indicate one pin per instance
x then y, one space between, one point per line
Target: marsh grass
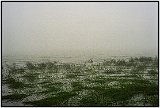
77 86
57 100
14 84
110 83
71 75
14 97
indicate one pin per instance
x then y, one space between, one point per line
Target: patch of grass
100 81
69 75
14 97
96 88
77 86
58 100
50 89
153 72
20 70
153 100
30 65
96 99
50 65
119 96
31 77
51 85
41 66
14 84
106 97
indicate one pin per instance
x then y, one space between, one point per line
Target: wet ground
107 82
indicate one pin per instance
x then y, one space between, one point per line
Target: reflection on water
70 81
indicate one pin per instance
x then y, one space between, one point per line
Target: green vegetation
14 97
112 82
59 100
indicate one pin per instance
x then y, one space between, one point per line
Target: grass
100 81
14 97
57 100
96 79
77 86
31 77
71 75
108 96
14 84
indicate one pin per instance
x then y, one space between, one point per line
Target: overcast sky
116 28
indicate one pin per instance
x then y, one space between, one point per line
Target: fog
80 28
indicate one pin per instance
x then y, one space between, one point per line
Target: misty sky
115 28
